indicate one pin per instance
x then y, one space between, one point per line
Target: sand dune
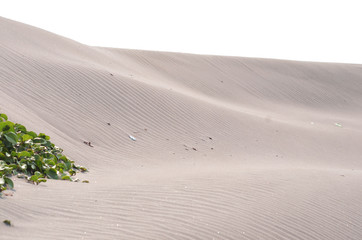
226 147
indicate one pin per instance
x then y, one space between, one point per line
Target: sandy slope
227 147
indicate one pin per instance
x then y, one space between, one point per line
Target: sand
226 147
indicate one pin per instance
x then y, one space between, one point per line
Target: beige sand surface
226 147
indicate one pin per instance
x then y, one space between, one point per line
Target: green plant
31 156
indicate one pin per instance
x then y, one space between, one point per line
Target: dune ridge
226 147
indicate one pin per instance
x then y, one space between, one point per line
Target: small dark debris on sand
7 222
88 143
109 124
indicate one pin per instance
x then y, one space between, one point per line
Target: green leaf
42 135
41 180
26 137
52 173
33 134
49 162
68 166
6 126
3 116
72 172
11 137
47 144
82 169
19 127
24 154
9 182
63 158
39 140
34 178
39 163
66 177
37 173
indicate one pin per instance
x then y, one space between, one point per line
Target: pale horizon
317 31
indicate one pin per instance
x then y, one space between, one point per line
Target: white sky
318 30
